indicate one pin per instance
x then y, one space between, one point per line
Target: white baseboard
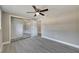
7 42
66 43
4 43
1 49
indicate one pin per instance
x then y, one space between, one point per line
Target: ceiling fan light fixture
37 13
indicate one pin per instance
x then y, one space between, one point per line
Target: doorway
20 29
36 28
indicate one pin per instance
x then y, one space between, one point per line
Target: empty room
39 28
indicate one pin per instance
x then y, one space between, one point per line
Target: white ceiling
53 10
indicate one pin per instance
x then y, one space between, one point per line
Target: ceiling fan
38 11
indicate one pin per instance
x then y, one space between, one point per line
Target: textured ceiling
54 10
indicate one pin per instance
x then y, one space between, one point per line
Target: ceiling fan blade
34 8
34 15
42 14
31 12
44 10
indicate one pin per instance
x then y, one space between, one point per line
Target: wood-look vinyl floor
37 45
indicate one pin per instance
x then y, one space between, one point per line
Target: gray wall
0 19
0 33
5 27
63 26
